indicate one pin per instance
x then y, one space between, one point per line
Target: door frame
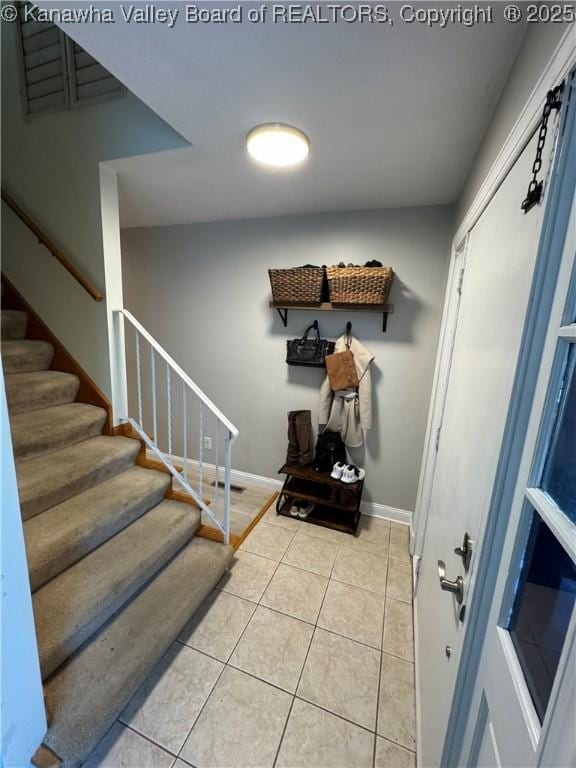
559 216
559 66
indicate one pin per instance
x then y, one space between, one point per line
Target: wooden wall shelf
326 306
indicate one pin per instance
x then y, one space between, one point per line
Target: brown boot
292 454
304 436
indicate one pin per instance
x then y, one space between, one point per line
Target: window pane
560 472
545 597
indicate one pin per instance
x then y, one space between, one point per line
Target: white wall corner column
22 711
113 281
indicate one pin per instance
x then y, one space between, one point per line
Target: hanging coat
349 411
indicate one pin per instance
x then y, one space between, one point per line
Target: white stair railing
175 418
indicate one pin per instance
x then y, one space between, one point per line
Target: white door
500 259
523 709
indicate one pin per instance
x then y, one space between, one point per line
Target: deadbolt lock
465 551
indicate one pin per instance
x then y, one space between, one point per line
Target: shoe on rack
337 470
304 510
295 508
352 474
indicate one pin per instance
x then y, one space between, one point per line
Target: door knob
456 587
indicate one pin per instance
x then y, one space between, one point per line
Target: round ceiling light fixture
277 145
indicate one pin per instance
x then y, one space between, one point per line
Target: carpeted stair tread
60 536
37 432
39 389
26 355
54 477
75 604
14 324
86 695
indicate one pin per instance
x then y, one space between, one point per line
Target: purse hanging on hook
309 352
341 367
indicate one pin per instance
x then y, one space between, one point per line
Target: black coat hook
315 324
348 328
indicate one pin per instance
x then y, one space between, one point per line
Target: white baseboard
370 508
246 478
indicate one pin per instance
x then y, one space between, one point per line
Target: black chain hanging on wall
535 188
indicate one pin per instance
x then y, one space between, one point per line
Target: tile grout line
147 738
380 667
225 664
295 618
335 714
241 548
304 663
289 616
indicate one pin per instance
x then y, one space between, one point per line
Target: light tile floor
303 656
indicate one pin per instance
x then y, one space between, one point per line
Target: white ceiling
394 114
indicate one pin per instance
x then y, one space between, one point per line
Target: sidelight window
545 590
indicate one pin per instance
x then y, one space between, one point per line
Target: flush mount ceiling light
277 145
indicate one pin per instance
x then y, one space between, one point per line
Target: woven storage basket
297 285
359 285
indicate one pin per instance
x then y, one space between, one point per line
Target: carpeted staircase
115 568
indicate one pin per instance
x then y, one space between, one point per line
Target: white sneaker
352 474
294 510
337 470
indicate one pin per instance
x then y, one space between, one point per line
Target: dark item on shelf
309 352
359 285
341 370
335 506
330 448
298 284
300 451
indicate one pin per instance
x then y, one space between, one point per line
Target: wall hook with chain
535 188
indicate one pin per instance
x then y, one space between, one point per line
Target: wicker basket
359 285
299 285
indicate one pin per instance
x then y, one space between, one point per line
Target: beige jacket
347 411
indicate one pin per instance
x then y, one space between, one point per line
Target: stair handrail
44 240
151 440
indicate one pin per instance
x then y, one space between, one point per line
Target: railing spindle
185 428
227 477
169 411
139 378
217 462
154 415
201 446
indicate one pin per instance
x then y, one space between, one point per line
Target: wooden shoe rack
336 504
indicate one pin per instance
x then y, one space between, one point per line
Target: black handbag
309 352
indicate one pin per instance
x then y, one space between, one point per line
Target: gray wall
535 52
50 166
202 290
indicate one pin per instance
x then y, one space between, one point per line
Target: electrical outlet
208 443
